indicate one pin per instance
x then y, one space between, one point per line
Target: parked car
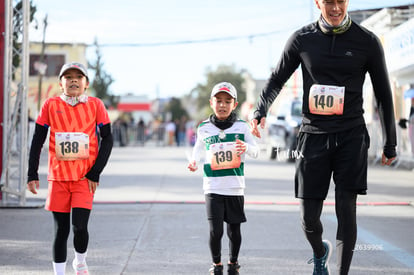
282 130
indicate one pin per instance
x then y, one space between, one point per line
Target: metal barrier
15 113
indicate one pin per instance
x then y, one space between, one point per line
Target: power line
183 42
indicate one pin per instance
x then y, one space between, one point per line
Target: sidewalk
149 218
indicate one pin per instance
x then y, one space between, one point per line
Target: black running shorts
226 208
342 155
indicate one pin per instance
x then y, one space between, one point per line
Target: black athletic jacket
340 60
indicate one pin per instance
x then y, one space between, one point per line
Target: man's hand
255 130
386 161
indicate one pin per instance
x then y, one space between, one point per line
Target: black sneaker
233 269
216 269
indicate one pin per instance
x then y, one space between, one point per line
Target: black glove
403 123
390 151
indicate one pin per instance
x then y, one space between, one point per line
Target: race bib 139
224 156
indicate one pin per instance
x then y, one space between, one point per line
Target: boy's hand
240 147
92 185
33 185
192 166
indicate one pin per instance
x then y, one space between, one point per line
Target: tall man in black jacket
334 54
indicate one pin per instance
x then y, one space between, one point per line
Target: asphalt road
149 218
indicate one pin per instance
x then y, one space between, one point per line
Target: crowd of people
178 132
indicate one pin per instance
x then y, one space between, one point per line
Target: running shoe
320 266
233 268
80 268
216 269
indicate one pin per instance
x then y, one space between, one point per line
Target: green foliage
202 92
102 80
176 109
17 27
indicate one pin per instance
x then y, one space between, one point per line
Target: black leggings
216 233
80 217
345 207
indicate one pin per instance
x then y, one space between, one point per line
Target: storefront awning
130 107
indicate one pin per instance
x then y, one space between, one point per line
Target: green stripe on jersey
224 172
230 137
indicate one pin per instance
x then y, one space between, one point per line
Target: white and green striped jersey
213 145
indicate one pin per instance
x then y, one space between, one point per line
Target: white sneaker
81 268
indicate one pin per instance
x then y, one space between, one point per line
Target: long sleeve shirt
341 61
215 146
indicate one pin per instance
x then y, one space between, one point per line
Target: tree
176 109
17 27
102 80
226 73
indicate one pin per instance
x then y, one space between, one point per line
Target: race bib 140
326 100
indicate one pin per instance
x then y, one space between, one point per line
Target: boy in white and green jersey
224 140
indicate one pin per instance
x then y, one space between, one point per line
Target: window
53 61
297 108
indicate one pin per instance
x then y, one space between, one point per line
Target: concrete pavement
149 218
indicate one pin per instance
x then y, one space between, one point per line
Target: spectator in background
141 132
170 129
403 123
120 129
181 131
190 132
159 131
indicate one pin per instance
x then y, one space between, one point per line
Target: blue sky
173 70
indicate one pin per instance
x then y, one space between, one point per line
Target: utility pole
2 49
42 66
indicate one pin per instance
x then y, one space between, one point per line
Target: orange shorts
64 195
